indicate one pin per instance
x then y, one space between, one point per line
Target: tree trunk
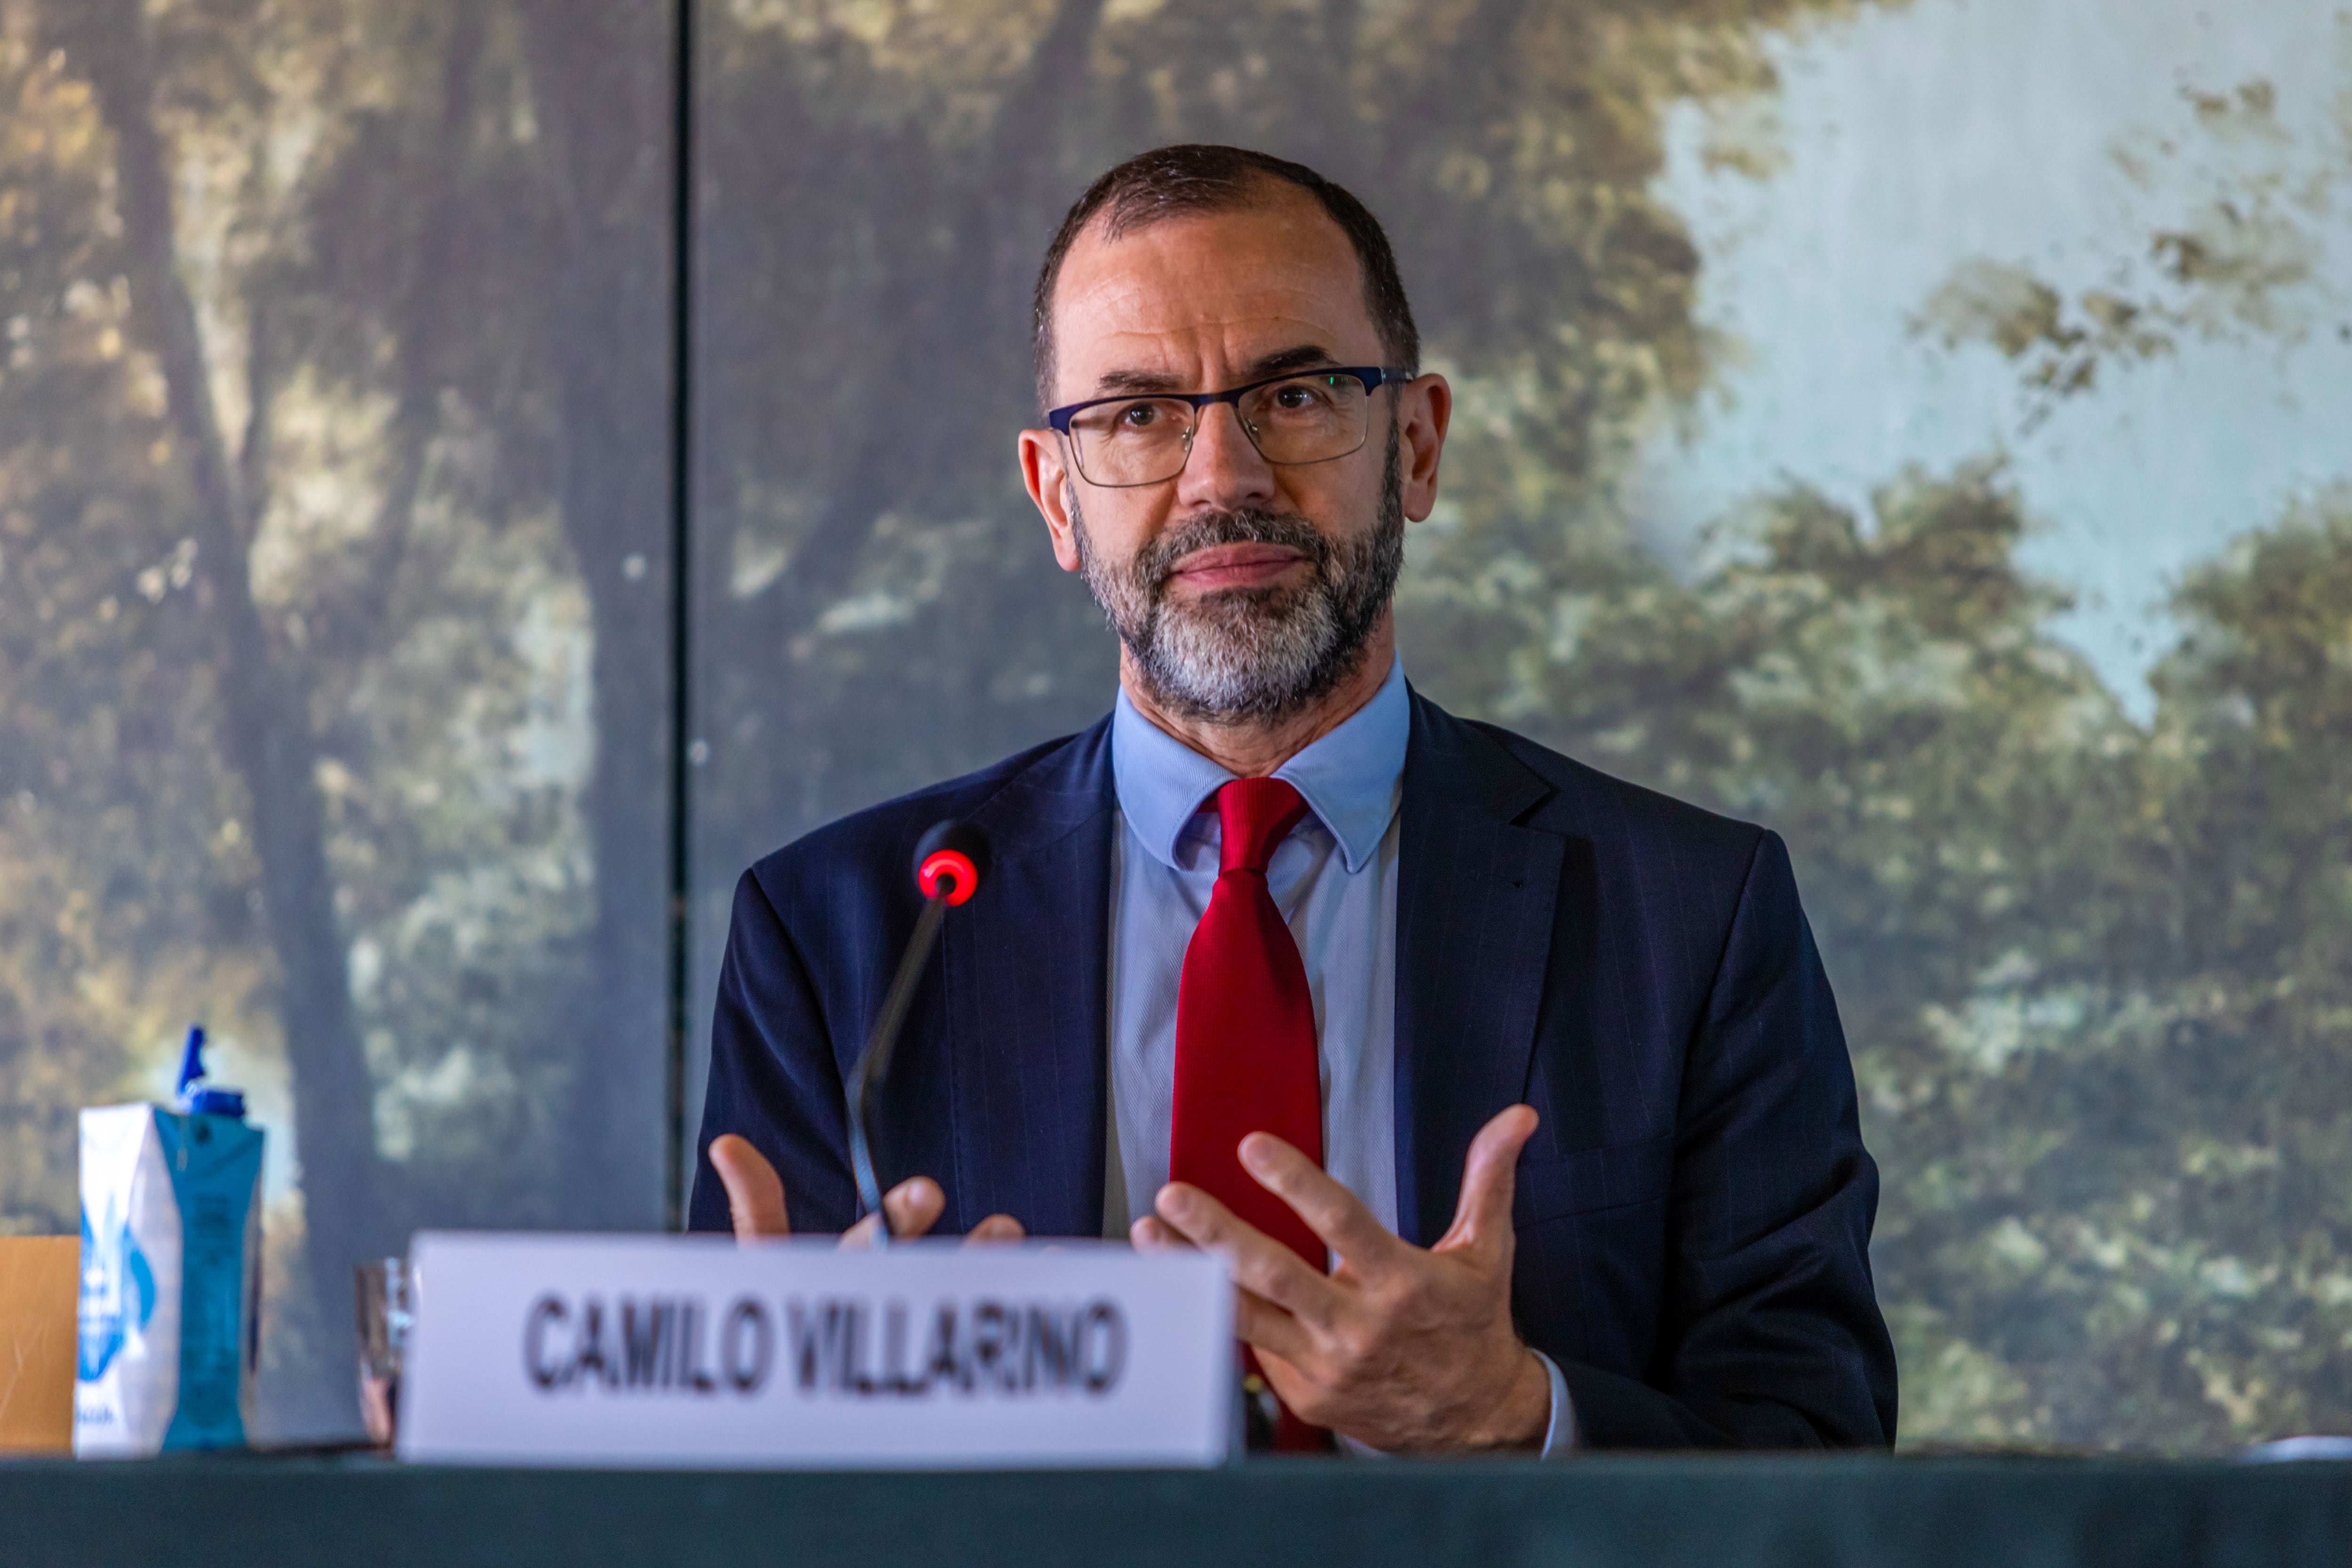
602 84
421 325
943 314
268 737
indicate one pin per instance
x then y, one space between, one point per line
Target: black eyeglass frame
1374 377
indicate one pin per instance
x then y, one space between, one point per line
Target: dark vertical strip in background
681 711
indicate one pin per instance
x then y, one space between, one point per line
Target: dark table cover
1888 1513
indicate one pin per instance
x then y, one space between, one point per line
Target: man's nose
1224 470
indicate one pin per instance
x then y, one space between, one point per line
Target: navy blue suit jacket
1693 1213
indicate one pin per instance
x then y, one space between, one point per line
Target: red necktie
1245 1035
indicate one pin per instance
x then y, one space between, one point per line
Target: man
1514 1094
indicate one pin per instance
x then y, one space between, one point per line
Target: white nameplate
676 1350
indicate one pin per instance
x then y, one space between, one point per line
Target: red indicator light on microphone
950 860
953 867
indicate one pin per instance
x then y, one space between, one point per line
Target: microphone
950 859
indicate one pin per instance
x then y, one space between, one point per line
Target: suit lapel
1026 968
1474 901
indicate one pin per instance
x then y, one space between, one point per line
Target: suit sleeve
1771 1335
774 1077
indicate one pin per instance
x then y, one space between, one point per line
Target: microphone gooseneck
950 860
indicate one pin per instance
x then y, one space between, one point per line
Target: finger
1482 1219
755 1193
995 1230
913 1205
1330 1210
1255 1261
1263 1326
1299 1394
1153 1234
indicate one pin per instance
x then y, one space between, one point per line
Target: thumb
755 1195
1482 1219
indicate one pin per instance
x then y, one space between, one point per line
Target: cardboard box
38 1288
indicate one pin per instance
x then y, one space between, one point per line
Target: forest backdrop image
333 622
335 540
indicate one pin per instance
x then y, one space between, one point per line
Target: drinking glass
386 1309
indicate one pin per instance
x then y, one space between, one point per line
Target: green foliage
2245 257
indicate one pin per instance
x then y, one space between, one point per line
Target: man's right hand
755 1202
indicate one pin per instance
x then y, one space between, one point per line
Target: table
1816 1511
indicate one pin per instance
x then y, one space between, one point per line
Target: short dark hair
1195 177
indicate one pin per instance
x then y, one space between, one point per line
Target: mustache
1156 562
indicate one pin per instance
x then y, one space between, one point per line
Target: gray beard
1245 655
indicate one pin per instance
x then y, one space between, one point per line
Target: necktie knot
1253 816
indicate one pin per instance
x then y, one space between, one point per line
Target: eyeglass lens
1310 418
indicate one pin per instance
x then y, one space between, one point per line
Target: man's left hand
1404 1350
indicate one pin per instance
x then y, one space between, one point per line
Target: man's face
1242 589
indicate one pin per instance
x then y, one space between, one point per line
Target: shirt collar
1350 777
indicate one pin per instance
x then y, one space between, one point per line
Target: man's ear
1048 479
1425 408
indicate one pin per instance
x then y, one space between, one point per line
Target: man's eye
1297 396
1137 415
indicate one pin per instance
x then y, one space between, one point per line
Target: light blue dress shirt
1335 881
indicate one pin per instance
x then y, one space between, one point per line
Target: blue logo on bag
117 1294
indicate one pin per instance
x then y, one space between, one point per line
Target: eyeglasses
1307 416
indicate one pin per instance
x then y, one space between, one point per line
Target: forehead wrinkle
1279 362
1165 361
1157 308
